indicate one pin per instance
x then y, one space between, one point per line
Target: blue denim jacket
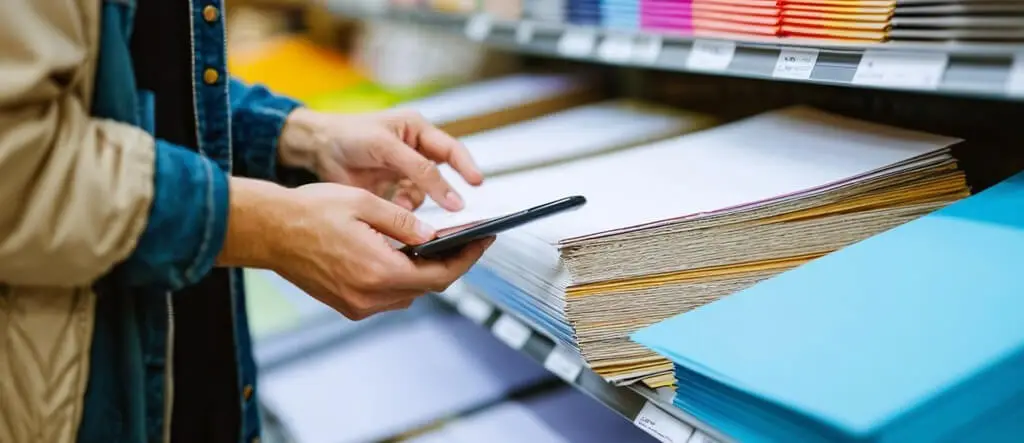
237 131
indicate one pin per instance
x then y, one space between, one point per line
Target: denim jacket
237 130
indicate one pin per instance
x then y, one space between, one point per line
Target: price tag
511 331
795 63
454 292
563 363
911 70
700 437
474 308
711 55
616 49
662 426
479 27
578 43
524 33
647 49
1015 82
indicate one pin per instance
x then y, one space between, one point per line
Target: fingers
408 195
442 148
424 174
437 275
392 220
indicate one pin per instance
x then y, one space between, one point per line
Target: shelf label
577 43
616 49
454 292
1015 82
711 55
647 49
511 331
479 27
700 437
474 308
911 70
524 33
564 363
662 426
795 63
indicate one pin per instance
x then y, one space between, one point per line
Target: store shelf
651 411
976 70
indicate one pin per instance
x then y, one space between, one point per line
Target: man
123 151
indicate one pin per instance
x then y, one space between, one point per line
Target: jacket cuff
187 222
258 116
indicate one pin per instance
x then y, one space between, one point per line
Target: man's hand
332 241
393 154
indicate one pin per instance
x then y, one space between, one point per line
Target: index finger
440 147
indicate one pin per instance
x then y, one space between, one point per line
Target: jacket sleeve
81 194
258 116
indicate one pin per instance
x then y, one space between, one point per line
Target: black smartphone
450 241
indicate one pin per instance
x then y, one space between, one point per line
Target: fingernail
453 200
424 231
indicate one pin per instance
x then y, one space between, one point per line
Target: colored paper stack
712 17
620 14
911 335
857 20
583 12
549 11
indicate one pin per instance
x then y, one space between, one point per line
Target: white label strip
711 55
479 27
647 49
662 426
577 43
616 49
474 308
795 63
700 437
910 70
454 292
511 331
1015 82
564 363
524 33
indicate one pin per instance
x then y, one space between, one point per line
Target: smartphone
450 241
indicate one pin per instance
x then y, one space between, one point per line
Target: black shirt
206 402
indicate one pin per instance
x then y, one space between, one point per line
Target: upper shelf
974 70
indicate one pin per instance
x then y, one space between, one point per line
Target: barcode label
795 63
474 308
616 49
711 55
478 28
911 70
577 43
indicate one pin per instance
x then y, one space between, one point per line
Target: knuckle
404 220
425 168
373 276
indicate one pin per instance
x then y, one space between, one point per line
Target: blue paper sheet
915 333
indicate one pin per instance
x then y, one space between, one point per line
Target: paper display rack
972 70
651 411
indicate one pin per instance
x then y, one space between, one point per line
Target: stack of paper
395 378
558 138
679 223
620 14
864 20
981 20
911 335
583 12
492 103
712 17
552 11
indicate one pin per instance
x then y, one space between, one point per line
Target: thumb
394 221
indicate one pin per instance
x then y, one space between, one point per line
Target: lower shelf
650 410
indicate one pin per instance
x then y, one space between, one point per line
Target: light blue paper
859 339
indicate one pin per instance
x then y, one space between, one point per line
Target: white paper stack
679 223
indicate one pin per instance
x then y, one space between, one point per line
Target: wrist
256 215
300 141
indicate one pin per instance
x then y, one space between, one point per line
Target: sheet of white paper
394 379
765 157
559 137
493 95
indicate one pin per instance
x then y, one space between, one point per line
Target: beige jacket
75 192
